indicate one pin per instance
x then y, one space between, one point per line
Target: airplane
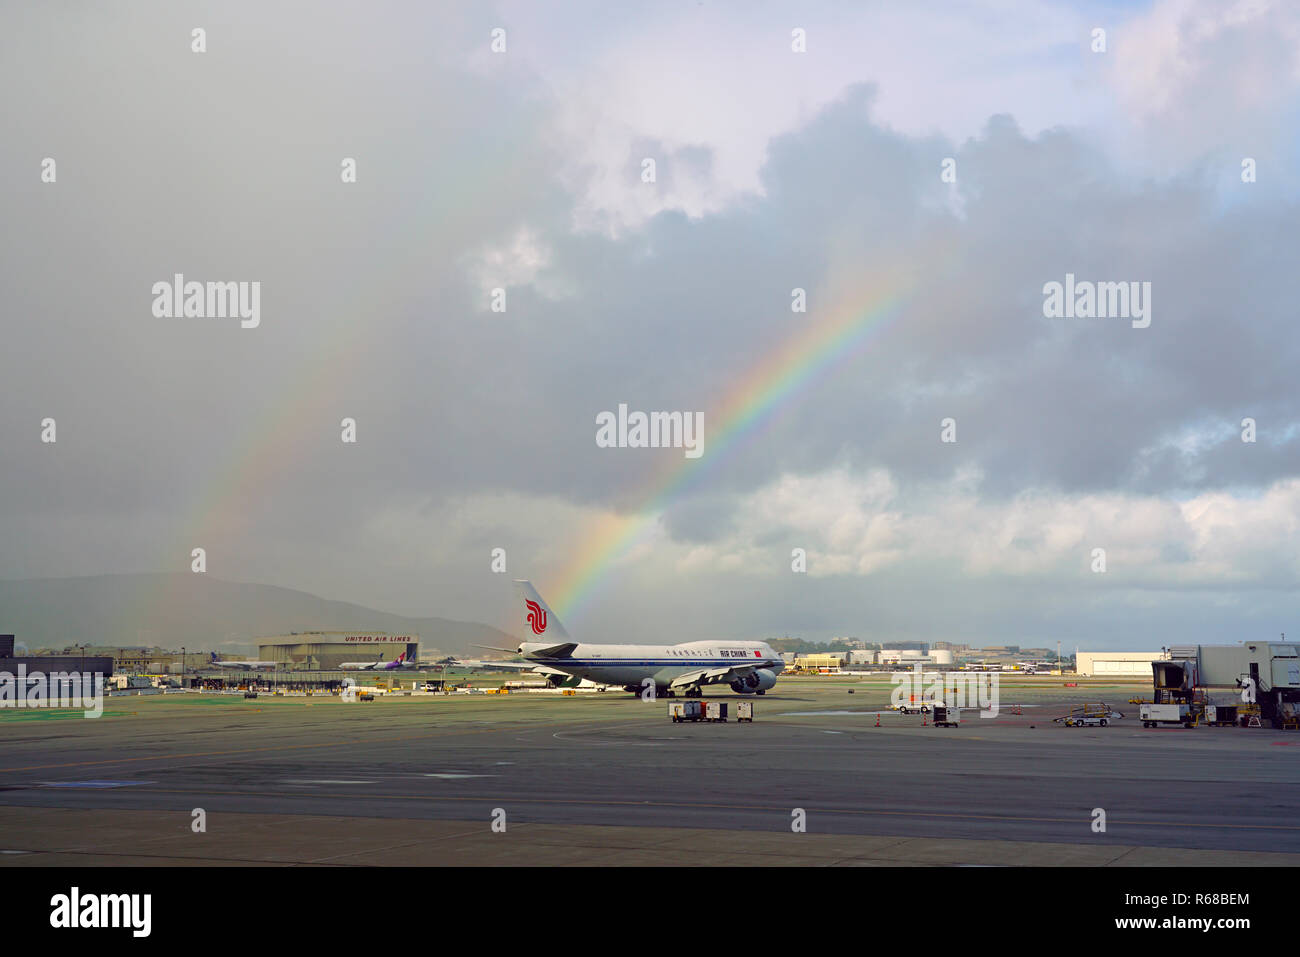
399 662
748 667
241 665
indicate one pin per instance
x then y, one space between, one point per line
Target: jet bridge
1266 671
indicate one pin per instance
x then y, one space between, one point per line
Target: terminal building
50 667
1115 664
327 650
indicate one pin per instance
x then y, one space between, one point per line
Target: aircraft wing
509 665
709 676
516 666
705 676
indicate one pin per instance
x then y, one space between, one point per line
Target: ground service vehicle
685 710
945 717
1152 715
1096 715
914 708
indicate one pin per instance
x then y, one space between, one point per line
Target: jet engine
760 679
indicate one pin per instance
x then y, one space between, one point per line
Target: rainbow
774 383
309 403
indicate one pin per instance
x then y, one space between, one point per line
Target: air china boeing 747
749 667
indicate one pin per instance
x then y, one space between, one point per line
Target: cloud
775 170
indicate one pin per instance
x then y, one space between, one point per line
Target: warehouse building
1115 664
903 656
49 668
814 662
327 650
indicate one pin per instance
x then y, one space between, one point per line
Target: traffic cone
877 719
924 722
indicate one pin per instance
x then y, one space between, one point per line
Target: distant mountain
204 613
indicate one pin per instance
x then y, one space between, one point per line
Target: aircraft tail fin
542 623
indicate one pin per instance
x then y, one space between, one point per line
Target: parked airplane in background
748 667
399 662
241 665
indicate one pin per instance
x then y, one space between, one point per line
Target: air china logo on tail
536 616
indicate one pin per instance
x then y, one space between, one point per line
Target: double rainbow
774 383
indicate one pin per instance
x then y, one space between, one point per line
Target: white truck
916 707
1154 715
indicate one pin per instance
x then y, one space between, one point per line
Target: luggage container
684 710
715 711
945 717
1221 715
745 711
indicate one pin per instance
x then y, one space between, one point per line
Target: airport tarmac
607 778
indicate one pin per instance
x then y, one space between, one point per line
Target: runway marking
327 782
91 785
725 807
449 775
278 747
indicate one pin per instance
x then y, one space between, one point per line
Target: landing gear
764 691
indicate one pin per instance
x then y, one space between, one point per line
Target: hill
202 612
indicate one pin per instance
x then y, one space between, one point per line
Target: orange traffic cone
924 722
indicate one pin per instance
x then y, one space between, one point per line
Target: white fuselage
245 665
375 665
632 664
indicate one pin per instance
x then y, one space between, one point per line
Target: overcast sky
775 170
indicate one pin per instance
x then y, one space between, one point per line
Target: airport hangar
326 650
1115 664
